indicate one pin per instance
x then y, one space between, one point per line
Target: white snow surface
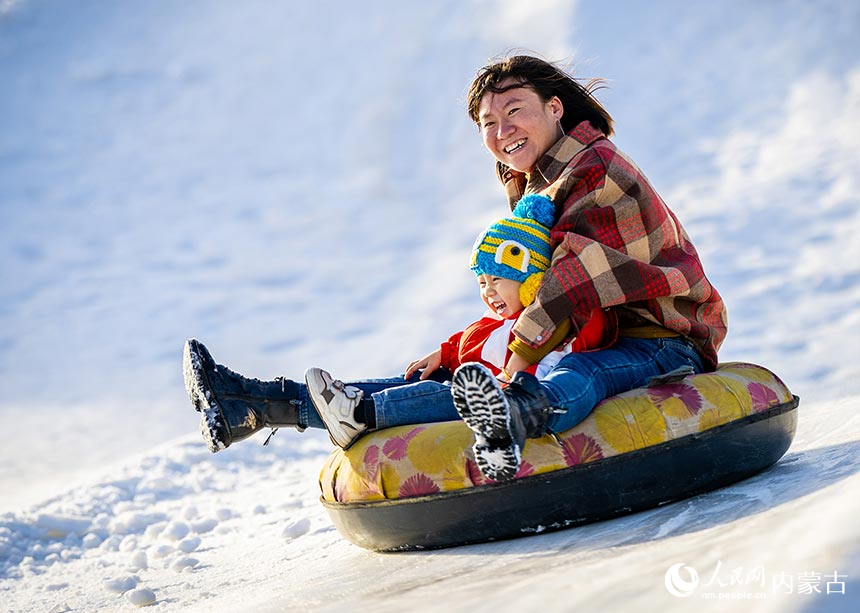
298 184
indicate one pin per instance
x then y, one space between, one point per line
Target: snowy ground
298 184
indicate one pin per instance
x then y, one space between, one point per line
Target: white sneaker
336 403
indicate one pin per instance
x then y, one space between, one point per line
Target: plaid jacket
616 245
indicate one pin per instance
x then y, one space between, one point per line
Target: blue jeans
398 402
576 384
581 380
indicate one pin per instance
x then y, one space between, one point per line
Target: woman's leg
503 418
581 380
233 407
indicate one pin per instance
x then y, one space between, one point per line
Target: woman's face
517 126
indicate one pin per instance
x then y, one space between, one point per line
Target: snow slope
237 173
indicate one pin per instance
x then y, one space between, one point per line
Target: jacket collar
557 158
550 166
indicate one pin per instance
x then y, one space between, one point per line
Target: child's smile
502 296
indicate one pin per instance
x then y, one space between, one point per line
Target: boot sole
480 402
197 386
497 463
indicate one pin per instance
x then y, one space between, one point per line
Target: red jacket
486 341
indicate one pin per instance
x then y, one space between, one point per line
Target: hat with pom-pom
518 247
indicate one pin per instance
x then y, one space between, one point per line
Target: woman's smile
515 147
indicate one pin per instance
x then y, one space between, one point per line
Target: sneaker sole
497 463
337 430
197 386
480 402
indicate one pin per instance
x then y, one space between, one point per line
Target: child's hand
515 364
428 363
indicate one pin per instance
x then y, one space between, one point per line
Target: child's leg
385 403
581 380
234 407
421 402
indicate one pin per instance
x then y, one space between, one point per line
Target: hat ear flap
529 288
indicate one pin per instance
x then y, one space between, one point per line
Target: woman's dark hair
547 80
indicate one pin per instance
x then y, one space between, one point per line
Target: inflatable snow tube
417 487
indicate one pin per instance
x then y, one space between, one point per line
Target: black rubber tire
603 489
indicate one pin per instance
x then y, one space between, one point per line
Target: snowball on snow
91 540
224 514
142 597
162 551
176 531
139 561
182 564
204 525
297 529
122 584
187 545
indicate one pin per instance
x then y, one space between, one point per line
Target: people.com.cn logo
678 586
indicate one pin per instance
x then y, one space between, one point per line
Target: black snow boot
501 418
234 407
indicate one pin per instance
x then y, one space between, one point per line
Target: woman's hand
429 363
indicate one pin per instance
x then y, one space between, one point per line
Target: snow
297 184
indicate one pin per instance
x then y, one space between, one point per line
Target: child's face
502 296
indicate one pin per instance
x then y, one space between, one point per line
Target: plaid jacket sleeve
618 245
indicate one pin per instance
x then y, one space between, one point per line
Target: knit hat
518 247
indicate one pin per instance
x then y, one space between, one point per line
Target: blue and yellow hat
518 247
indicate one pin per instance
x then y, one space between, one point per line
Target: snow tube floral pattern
418 460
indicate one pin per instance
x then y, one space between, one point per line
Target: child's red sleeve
451 351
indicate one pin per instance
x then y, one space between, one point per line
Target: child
509 259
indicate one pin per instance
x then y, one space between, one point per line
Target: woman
617 246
